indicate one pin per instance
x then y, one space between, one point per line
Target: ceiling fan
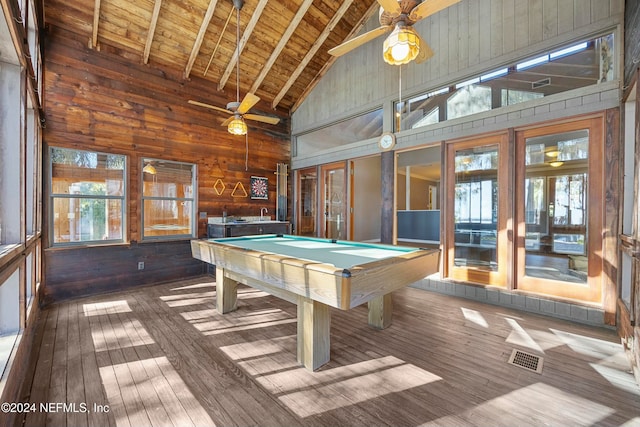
239 110
404 44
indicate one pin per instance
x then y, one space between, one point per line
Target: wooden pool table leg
314 324
380 311
226 292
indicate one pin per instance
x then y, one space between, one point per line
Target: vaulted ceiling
283 44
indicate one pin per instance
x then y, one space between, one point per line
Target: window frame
194 200
53 196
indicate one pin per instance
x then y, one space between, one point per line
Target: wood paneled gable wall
98 100
468 38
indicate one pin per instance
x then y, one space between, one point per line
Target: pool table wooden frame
313 286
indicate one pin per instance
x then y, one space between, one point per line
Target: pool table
315 274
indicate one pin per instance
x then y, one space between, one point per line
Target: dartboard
259 188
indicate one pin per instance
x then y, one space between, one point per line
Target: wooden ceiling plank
96 20
281 44
198 42
243 41
312 51
152 30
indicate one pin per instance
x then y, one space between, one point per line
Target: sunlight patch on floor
251 349
147 385
587 346
182 300
300 377
619 376
520 337
210 322
536 404
100 308
474 317
343 393
116 337
195 286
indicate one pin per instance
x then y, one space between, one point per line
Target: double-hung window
88 191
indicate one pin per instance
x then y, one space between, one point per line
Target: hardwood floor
163 356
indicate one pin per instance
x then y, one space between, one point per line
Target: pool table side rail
388 275
336 287
318 281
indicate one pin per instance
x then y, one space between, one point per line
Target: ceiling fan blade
349 45
425 51
249 101
226 122
263 119
213 107
429 7
391 6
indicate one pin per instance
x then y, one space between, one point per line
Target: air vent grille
541 83
528 361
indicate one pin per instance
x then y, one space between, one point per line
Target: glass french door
334 201
477 200
307 206
559 210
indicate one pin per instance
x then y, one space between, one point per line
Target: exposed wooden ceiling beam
356 29
281 44
152 30
314 49
200 37
243 41
93 43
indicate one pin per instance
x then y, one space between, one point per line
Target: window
358 128
555 190
87 196
569 67
476 207
168 199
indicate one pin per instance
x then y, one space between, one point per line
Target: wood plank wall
631 40
97 100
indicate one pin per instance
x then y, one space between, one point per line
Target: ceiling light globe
399 52
237 126
402 46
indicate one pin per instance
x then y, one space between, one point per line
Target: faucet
263 211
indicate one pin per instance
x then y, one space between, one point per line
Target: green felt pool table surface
340 253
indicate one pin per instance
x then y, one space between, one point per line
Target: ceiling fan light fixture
402 46
237 126
150 169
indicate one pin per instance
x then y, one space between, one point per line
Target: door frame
593 290
322 214
504 246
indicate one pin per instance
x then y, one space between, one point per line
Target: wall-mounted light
237 126
402 46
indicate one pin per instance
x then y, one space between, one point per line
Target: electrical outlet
140 265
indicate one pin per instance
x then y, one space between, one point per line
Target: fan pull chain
246 151
399 112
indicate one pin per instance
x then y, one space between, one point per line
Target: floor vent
530 362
